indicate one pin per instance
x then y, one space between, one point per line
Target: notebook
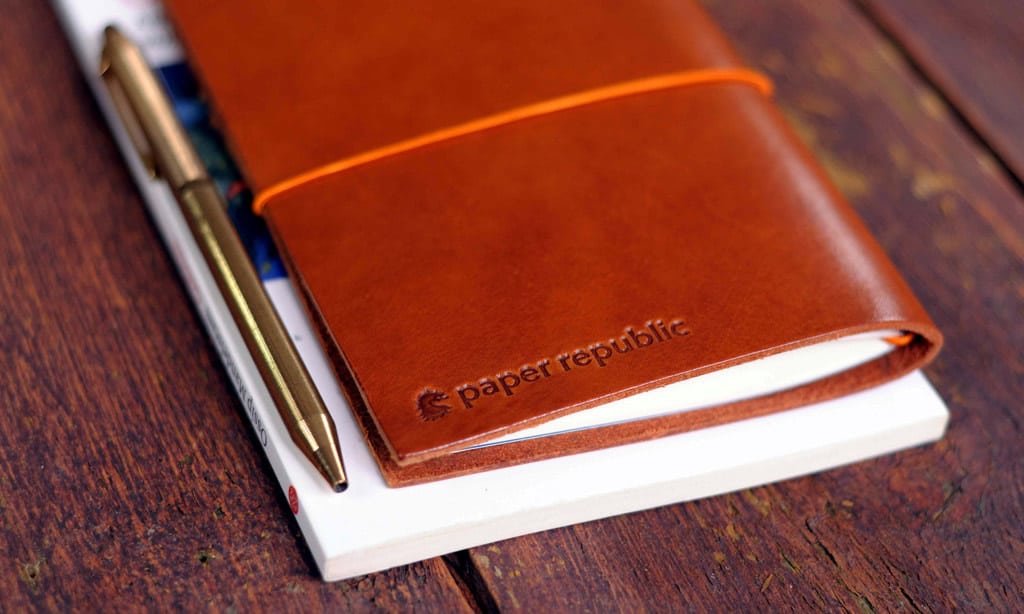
506 214
370 528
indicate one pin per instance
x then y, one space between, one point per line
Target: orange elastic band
901 340
619 90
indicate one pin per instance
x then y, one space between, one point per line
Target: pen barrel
278 362
166 150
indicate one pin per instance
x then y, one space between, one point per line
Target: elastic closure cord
627 88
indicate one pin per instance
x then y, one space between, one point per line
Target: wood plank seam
474 587
922 73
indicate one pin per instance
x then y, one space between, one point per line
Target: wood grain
974 52
931 529
129 479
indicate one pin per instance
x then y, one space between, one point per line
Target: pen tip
330 466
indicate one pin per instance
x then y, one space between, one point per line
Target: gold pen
167 152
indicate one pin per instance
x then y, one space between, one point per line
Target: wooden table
129 477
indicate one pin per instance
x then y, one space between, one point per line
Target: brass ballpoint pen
168 153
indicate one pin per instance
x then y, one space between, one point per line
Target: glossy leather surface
479 258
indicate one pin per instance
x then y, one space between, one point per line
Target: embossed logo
430 404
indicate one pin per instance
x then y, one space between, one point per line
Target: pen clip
129 119
147 113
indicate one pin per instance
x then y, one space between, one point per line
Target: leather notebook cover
483 249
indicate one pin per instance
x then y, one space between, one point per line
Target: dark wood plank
128 476
930 529
974 52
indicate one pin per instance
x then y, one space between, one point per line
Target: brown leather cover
687 224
